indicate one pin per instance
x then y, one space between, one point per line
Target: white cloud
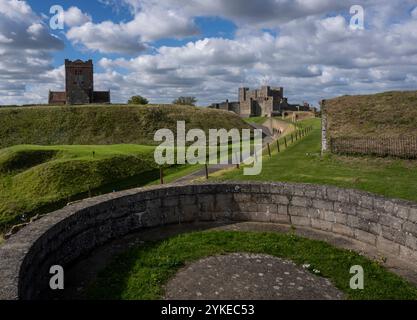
106 37
312 58
75 17
25 50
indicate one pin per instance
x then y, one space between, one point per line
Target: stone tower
79 84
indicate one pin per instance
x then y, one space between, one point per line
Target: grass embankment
390 114
105 125
35 179
141 272
256 120
302 162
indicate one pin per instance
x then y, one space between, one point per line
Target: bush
185 101
138 100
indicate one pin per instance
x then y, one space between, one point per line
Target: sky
162 49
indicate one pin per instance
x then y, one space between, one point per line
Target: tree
185 101
138 100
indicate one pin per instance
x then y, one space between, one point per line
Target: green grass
302 162
104 125
390 114
256 120
141 272
39 179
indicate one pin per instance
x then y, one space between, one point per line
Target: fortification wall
67 235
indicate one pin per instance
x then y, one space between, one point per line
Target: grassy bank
390 114
39 179
140 273
302 162
104 125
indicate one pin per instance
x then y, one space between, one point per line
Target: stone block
391 221
386 245
170 202
280 199
346 208
321 225
268 208
411 242
408 255
323 205
282 209
261 198
242 197
366 237
300 221
342 229
368 215
412 214
301 202
367 202
280 218
410 228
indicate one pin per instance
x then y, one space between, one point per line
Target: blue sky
208 49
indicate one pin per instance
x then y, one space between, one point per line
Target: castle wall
101 97
57 98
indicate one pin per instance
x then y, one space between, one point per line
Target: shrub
185 101
138 100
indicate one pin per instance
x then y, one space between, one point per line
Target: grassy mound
34 178
104 125
141 272
390 114
19 160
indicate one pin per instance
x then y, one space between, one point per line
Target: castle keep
263 102
266 102
79 86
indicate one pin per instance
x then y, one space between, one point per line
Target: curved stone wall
64 236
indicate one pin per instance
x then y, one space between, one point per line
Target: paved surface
244 276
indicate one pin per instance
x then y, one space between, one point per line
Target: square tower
79 84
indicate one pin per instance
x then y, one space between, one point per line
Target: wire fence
404 147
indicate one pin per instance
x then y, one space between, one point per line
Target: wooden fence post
237 161
161 175
207 173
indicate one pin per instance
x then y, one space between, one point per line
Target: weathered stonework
79 85
66 235
266 101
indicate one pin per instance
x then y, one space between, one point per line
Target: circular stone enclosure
66 235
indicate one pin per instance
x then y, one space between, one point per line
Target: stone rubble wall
67 235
